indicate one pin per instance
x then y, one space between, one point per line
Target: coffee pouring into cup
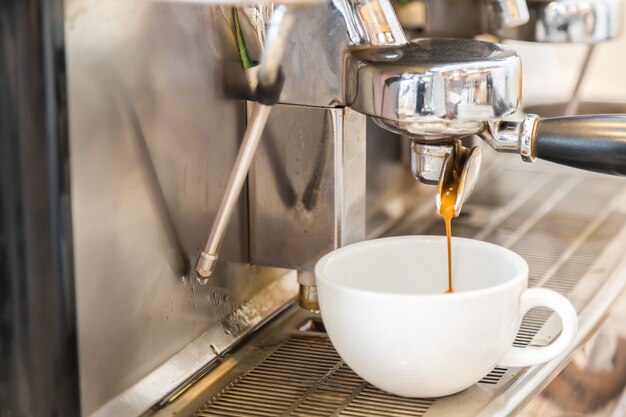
386 311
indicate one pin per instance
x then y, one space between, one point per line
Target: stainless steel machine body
156 109
300 187
153 135
150 132
569 21
549 21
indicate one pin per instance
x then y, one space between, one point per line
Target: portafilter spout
436 91
437 164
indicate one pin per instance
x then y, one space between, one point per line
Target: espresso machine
172 170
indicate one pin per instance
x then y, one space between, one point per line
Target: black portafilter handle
590 142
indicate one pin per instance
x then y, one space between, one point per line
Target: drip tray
568 225
304 376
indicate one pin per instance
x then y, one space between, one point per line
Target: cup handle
541 297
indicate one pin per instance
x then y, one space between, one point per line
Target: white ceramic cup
384 306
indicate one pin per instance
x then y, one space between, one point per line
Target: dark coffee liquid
448 199
448 196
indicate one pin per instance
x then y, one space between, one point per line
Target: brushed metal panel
314 66
152 139
313 63
307 186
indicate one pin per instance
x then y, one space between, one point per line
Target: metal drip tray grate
306 377
569 227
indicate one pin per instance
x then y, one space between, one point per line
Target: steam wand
269 82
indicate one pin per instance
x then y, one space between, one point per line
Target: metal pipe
268 75
280 24
371 22
208 257
572 106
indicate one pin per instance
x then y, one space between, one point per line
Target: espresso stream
448 197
